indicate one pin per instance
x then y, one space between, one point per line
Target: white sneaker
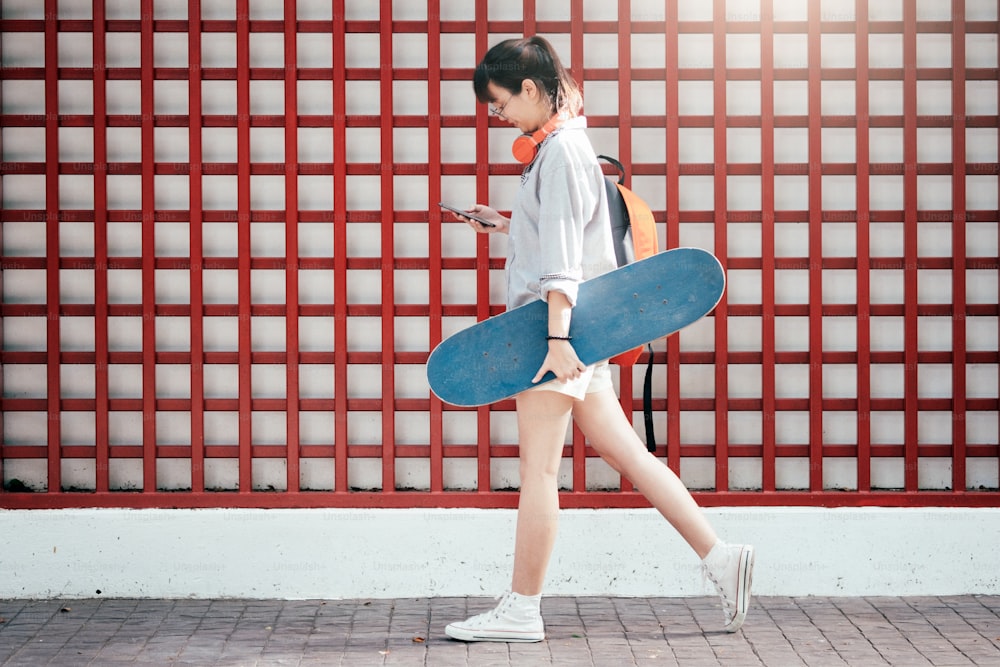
730 568
515 619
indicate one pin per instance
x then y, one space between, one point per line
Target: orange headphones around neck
525 147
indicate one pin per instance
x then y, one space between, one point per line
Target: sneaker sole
743 589
492 636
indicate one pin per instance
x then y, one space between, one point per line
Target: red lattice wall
223 269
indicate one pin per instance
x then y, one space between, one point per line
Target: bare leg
542 419
601 418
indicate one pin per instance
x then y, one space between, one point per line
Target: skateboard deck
620 310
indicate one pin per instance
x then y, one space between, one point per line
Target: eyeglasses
499 112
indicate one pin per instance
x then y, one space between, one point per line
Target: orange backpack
633 231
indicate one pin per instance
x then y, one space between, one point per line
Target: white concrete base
345 553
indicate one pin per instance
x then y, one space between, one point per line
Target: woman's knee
538 468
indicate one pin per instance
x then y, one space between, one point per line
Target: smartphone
483 221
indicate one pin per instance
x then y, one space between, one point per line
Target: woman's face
525 110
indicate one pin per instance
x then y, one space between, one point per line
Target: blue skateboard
615 312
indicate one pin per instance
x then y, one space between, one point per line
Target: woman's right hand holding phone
501 223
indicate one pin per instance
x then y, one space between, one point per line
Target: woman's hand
487 213
561 360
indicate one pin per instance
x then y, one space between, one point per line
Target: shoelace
728 606
492 614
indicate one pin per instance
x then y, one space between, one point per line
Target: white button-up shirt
560 232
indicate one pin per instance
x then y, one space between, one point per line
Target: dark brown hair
510 62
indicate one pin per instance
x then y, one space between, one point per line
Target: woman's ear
528 86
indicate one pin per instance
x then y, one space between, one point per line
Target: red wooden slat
863 244
721 207
577 28
53 298
576 70
101 352
910 339
196 239
340 245
958 250
482 247
626 375
243 208
148 193
673 217
768 324
815 254
568 500
388 250
434 247
291 252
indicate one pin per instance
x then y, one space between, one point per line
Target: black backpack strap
617 165
647 402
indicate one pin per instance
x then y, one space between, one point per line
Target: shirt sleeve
566 203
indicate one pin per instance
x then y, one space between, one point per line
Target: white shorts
596 378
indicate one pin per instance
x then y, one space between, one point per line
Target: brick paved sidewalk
780 632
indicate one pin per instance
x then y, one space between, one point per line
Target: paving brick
953 630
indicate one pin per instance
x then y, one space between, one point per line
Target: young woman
559 235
